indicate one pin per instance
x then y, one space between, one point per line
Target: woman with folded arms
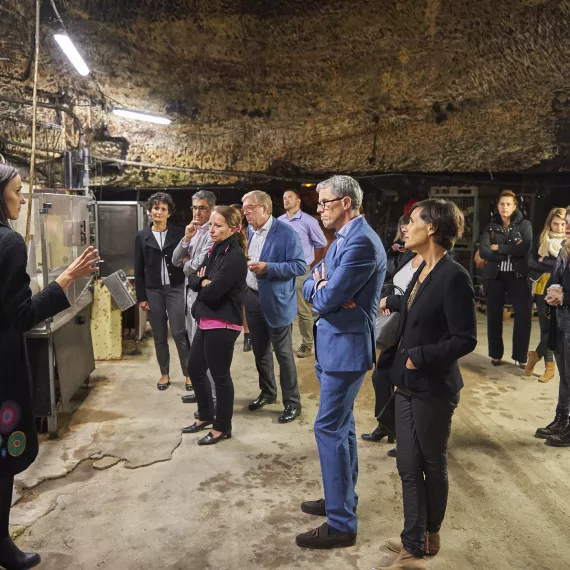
220 284
437 327
541 264
557 433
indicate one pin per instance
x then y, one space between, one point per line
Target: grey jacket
197 254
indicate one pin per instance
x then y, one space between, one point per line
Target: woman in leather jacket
505 244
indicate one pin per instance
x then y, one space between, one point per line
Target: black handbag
387 326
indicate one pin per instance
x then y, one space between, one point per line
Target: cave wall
289 87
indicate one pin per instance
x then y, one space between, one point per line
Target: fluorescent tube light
141 116
69 49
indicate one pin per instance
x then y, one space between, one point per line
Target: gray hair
206 195
262 198
342 186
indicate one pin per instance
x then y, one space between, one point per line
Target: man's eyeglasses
249 208
199 208
324 205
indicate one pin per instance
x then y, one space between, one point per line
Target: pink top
208 324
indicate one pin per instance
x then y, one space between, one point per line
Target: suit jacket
344 338
283 253
197 254
19 312
439 329
148 260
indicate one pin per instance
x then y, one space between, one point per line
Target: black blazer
226 268
19 312
148 260
514 241
439 329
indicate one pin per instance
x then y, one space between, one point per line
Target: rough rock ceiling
305 85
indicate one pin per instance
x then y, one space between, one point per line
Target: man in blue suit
275 259
345 291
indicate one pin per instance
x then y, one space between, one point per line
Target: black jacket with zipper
226 268
514 242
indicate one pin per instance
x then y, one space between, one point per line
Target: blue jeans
336 440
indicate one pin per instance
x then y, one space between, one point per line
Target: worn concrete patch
58 457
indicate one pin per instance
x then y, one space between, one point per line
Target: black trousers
542 349
422 431
6 487
265 339
382 388
518 291
213 350
563 360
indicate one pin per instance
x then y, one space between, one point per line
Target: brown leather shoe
406 561
322 538
433 544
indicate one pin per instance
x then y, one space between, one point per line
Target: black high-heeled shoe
377 435
212 439
195 428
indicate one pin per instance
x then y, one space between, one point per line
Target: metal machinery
467 200
117 225
60 349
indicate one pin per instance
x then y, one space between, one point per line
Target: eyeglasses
324 205
249 208
199 208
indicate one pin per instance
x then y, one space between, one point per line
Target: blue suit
345 350
271 310
285 260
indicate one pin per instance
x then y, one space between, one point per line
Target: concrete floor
122 489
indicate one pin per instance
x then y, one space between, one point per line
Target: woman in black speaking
437 327
19 312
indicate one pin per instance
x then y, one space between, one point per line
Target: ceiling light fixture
308 184
137 115
69 49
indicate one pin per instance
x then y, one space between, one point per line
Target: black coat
226 268
560 276
514 241
440 328
148 260
537 268
19 312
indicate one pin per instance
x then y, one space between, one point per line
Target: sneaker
304 351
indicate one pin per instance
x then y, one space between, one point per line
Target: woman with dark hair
220 284
557 433
160 284
397 253
505 244
19 312
542 263
437 327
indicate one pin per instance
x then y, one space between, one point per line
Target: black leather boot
12 558
560 440
559 424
